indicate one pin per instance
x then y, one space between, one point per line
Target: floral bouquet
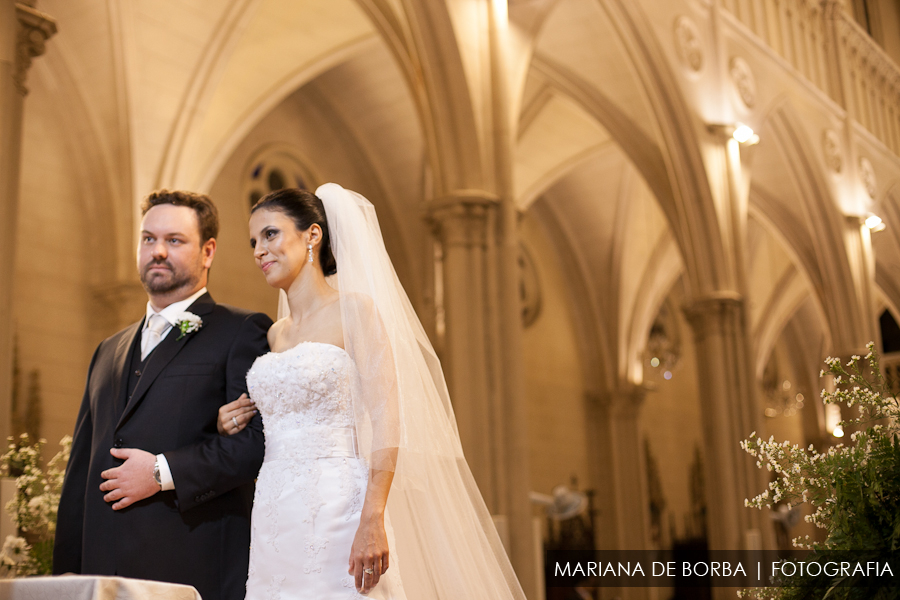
855 489
33 509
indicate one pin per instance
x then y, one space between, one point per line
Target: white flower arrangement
187 322
34 507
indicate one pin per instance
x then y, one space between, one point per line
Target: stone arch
811 225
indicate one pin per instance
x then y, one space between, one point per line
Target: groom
152 491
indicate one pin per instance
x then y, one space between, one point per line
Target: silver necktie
150 340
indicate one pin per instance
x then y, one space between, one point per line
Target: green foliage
855 489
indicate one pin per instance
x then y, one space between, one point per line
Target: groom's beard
163 282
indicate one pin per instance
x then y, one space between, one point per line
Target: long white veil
446 542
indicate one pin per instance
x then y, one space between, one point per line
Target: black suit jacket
199 533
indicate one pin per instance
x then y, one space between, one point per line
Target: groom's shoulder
236 315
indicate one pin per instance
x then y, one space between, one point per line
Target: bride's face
278 247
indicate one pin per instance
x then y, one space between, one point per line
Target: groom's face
170 255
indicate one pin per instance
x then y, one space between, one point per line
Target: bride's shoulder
357 300
276 329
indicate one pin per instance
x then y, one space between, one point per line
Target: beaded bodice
304 389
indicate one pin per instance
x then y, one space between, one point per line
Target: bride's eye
271 233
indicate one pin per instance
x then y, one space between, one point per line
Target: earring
309 246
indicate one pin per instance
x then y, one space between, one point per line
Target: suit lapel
167 349
121 357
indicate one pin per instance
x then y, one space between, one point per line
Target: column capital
460 202
35 28
461 217
621 402
718 312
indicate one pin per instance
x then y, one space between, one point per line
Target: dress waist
312 442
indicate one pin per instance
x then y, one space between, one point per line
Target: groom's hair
207 215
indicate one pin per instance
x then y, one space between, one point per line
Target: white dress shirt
170 314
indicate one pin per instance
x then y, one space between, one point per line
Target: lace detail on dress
350 582
311 486
304 386
267 500
273 591
313 546
350 487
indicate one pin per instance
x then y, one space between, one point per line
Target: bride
364 488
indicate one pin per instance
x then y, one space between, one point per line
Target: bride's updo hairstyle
303 208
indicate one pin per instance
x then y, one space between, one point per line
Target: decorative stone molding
461 219
687 42
867 175
35 28
624 403
831 147
743 80
529 287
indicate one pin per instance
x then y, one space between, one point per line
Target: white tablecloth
85 587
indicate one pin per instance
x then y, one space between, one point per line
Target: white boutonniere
187 322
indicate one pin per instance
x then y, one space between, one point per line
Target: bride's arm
378 405
235 416
370 548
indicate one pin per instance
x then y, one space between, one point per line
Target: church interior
633 229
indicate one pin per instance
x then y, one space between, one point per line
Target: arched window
275 168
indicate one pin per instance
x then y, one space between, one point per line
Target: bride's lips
266 265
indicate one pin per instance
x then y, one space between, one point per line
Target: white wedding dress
311 487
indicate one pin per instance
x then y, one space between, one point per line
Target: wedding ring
369 571
236 424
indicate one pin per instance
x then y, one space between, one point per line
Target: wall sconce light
744 135
874 223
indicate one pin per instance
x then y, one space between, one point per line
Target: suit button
118 443
137 373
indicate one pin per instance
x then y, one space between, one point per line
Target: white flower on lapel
187 322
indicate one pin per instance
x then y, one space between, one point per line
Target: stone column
729 415
490 412
614 434
463 223
23 33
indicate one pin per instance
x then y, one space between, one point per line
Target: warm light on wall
744 135
874 223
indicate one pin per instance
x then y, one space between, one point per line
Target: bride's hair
304 208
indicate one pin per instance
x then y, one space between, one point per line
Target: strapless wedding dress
311 486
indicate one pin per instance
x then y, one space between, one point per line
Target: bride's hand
369 554
234 416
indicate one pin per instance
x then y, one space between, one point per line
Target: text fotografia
709 569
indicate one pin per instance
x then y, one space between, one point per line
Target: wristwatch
156 476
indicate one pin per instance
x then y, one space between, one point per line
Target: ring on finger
369 571
235 421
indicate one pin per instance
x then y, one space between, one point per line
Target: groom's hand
132 480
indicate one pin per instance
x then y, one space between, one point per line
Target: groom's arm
70 516
206 470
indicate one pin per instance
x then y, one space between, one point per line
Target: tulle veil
446 542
